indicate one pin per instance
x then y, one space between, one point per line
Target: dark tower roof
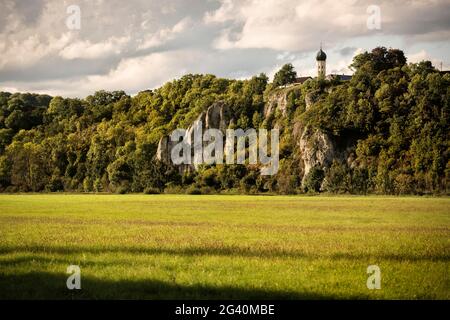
321 56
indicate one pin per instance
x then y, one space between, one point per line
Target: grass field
180 246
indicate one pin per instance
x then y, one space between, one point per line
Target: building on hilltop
321 59
321 63
302 80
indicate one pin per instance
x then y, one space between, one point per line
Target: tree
285 75
379 59
313 180
422 68
389 127
16 120
337 178
29 166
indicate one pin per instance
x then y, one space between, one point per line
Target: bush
360 181
208 177
54 185
248 182
173 189
231 191
97 185
337 178
122 190
193 190
87 184
125 187
150 190
207 190
313 180
404 184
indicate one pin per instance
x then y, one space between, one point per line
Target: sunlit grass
177 246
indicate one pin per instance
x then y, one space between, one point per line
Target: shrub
313 180
122 189
207 190
173 189
404 184
337 178
87 184
97 185
193 190
55 184
151 190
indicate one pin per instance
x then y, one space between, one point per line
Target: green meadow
218 246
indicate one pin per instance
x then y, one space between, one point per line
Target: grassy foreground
180 246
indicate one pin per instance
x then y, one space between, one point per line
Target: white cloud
418 56
230 38
131 75
284 24
163 35
134 74
299 25
87 50
226 12
26 52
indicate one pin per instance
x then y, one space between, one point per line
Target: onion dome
321 56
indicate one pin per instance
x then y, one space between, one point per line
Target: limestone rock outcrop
276 101
217 116
313 147
317 149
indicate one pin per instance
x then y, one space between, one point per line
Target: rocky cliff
217 116
313 147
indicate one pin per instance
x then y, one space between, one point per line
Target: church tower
321 59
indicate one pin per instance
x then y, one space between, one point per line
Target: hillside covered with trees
391 122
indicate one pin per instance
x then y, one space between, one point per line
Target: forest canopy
396 114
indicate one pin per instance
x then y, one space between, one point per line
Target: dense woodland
397 113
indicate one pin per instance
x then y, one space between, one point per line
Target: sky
74 48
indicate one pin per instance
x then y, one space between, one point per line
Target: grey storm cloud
346 51
140 44
27 12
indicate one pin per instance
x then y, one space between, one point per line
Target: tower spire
321 58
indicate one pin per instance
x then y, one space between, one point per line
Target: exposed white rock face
164 147
276 101
316 149
309 100
313 146
218 116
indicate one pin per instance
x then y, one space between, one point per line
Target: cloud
139 44
134 74
166 34
226 12
26 12
346 51
26 52
131 75
301 25
88 50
